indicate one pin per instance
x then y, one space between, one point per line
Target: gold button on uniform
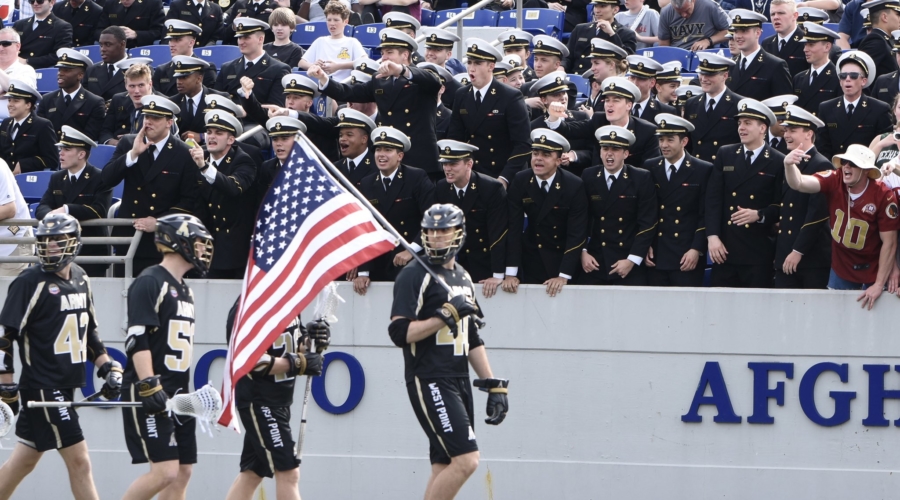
676 235
751 196
389 113
678 209
662 207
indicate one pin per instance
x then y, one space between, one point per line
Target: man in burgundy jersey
859 207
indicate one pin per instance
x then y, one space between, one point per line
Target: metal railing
127 259
458 19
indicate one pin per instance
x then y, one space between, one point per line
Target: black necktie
68 100
671 171
812 77
743 64
110 70
774 142
612 181
781 46
460 194
637 110
72 179
749 157
387 183
249 65
200 9
15 130
190 106
712 103
477 99
544 187
849 111
350 165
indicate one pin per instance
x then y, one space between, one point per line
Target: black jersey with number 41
54 323
418 297
165 307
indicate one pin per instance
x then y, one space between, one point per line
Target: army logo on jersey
53 289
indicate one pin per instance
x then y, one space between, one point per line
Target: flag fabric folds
309 231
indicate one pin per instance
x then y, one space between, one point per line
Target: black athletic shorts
47 428
158 438
268 444
445 410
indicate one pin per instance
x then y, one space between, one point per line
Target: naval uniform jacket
153 187
499 127
557 225
85 113
579 44
870 118
39 45
87 199
164 79
734 184
682 210
145 17
96 81
34 147
209 18
879 45
408 105
622 219
766 76
824 87
804 220
487 215
712 130
83 19
266 74
646 144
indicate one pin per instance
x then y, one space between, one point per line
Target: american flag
309 231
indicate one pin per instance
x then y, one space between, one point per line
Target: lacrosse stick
326 304
6 418
205 404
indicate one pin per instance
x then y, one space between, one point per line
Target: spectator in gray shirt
692 24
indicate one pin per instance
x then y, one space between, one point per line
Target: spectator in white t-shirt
13 206
643 20
11 67
335 53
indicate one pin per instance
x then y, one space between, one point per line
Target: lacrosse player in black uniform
264 398
440 339
49 310
159 344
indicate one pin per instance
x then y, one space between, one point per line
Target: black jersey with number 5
165 308
418 297
54 323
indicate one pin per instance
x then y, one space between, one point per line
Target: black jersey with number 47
165 307
418 297
54 323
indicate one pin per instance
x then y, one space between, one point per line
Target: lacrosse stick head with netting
7 418
326 305
204 404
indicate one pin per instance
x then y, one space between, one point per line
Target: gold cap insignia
612 135
539 44
447 150
433 37
706 61
240 26
512 38
212 103
388 22
278 126
640 65
744 107
383 36
152 104
559 79
171 27
65 57
215 118
787 115
293 83
341 116
737 19
612 86
178 64
784 104
543 138
662 123
383 135
474 46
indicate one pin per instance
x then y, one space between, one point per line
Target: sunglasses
38 2
845 163
853 76
7 43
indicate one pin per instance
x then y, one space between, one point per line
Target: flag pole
375 213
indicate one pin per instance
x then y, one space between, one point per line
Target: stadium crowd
586 161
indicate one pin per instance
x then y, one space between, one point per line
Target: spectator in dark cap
819 82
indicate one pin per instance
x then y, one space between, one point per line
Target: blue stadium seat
92 51
367 34
663 55
33 185
101 155
767 31
15 16
479 18
46 80
427 17
537 21
832 26
118 190
159 53
583 86
298 71
218 54
307 33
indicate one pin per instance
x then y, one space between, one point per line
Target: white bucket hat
861 157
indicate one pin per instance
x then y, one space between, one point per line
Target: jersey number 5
181 342
70 340
852 225
460 343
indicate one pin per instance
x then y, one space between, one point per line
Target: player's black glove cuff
304 364
111 371
9 394
497 403
153 397
319 331
455 310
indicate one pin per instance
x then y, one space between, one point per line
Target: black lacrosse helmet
443 217
64 232
187 236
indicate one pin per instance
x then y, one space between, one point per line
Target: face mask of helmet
188 237
442 246
57 251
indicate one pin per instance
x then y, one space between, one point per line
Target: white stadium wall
602 383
